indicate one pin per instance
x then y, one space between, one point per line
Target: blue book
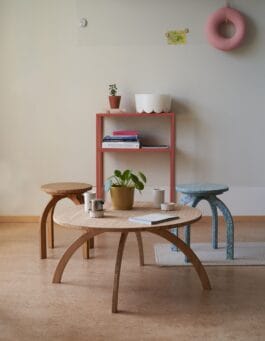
124 138
153 218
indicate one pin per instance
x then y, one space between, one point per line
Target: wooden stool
58 191
192 194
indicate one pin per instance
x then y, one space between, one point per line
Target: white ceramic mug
158 197
88 196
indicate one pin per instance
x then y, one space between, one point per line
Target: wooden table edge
138 228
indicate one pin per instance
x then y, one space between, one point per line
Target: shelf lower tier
127 114
141 150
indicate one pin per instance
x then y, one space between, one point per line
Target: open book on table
153 218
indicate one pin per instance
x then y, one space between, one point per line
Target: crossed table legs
160 232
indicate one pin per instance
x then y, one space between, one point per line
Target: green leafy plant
113 89
126 179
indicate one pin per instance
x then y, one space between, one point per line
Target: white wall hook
83 22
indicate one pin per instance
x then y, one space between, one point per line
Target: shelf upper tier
140 150
117 115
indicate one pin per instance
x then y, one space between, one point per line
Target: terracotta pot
114 102
122 197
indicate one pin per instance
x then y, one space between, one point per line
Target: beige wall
54 78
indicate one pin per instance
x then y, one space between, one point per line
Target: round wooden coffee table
117 221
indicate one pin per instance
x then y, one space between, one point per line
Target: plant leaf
139 186
134 178
117 173
142 176
126 174
107 185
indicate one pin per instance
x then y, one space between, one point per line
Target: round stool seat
64 188
202 188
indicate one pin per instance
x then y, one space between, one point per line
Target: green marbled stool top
202 189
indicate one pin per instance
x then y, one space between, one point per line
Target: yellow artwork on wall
177 37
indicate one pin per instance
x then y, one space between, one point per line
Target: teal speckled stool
192 194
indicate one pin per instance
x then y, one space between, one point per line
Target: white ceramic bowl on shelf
149 103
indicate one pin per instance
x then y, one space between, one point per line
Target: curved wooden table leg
189 254
69 252
51 229
117 272
140 247
43 221
78 199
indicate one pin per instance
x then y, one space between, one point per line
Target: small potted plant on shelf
122 185
114 100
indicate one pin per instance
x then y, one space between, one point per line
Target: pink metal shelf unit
100 151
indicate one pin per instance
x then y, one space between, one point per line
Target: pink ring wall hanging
213 25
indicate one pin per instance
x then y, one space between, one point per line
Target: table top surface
198 188
117 220
60 188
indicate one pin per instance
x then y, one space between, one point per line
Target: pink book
126 132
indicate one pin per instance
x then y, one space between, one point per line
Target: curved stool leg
51 229
117 272
78 199
214 222
140 247
189 254
90 243
184 200
43 221
229 227
69 252
175 231
193 203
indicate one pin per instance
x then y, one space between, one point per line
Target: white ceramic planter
152 103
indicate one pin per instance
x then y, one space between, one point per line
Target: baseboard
204 219
237 219
19 219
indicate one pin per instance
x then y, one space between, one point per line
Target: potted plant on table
114 100
122 186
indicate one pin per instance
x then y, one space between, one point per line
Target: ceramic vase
122 197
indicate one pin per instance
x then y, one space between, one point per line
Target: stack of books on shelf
122 139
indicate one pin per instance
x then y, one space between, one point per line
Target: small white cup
168 206
88 196
158 197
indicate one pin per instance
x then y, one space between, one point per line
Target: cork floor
154 303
